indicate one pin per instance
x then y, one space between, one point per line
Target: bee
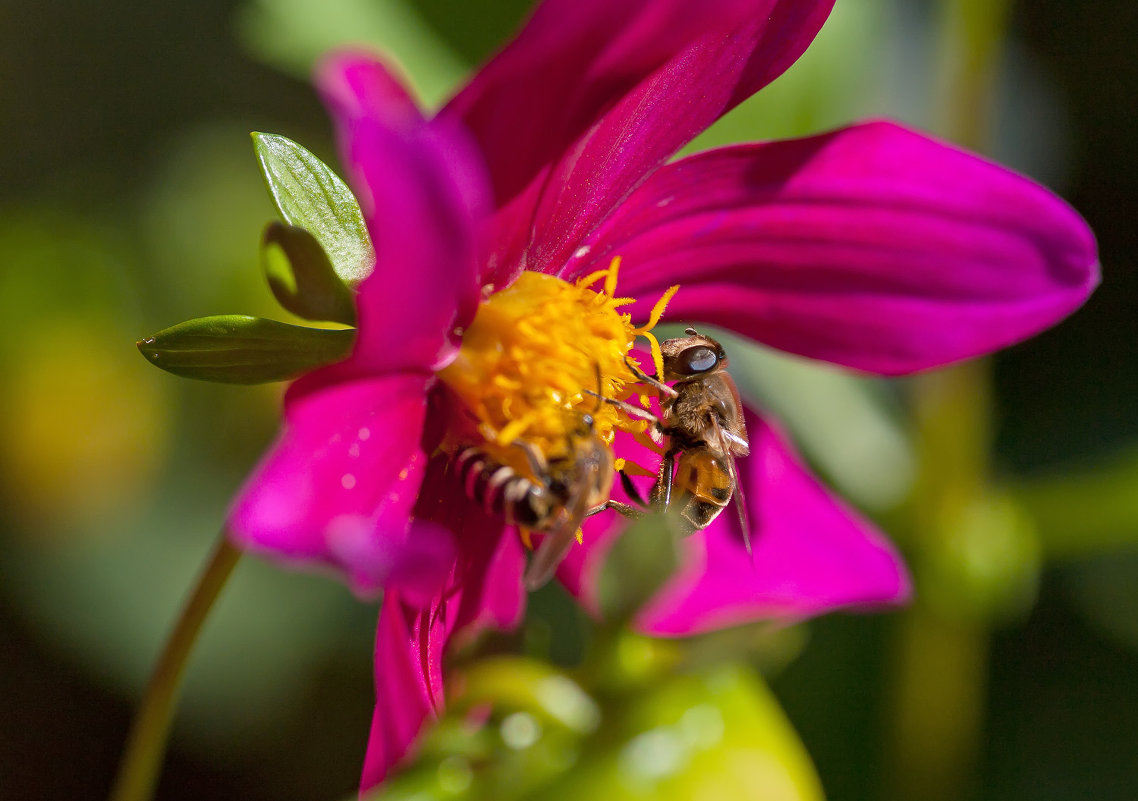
702 427
556 503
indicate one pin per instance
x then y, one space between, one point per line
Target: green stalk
940 671
941 660
146 743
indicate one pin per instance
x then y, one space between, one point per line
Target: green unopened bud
519 684
717 734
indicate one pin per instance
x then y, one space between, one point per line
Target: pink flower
872 247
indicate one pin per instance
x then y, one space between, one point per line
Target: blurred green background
130 200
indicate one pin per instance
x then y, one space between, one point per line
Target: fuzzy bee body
702 428
702 486
565 490
502 491
702 421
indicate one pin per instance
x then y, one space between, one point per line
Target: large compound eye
697 360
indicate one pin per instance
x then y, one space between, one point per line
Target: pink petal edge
873 247
422 187
812 554
593 95
485 590
409 647
338 487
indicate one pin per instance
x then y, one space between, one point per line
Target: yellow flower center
531 357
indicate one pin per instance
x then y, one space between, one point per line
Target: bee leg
632 512
661 495
656 384
625 509
536 460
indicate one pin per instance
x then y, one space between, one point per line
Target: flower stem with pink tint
146 743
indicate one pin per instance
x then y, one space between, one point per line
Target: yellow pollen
658 309
587 281
610 279
531 359
653 318
657 357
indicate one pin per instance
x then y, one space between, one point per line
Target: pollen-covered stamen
535 358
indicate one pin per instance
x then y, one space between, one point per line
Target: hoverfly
701 424
565 490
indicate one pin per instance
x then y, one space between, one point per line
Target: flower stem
941 659
941 651
146 743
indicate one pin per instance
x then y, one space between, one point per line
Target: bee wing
741 446
555 546
557 542
740 502
550 553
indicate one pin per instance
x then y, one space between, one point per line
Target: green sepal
637 566
309 195
301 276
238 349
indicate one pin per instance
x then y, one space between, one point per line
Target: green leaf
641 560
309 195
302 278
238 349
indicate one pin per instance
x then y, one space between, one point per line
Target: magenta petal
492 574
420 185
357 85
594 94
409 646
490 559
485 590
416 564
873 247
812 554
339 485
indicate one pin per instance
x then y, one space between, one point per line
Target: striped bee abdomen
501 491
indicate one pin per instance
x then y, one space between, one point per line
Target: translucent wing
552 550
560 539
740 502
